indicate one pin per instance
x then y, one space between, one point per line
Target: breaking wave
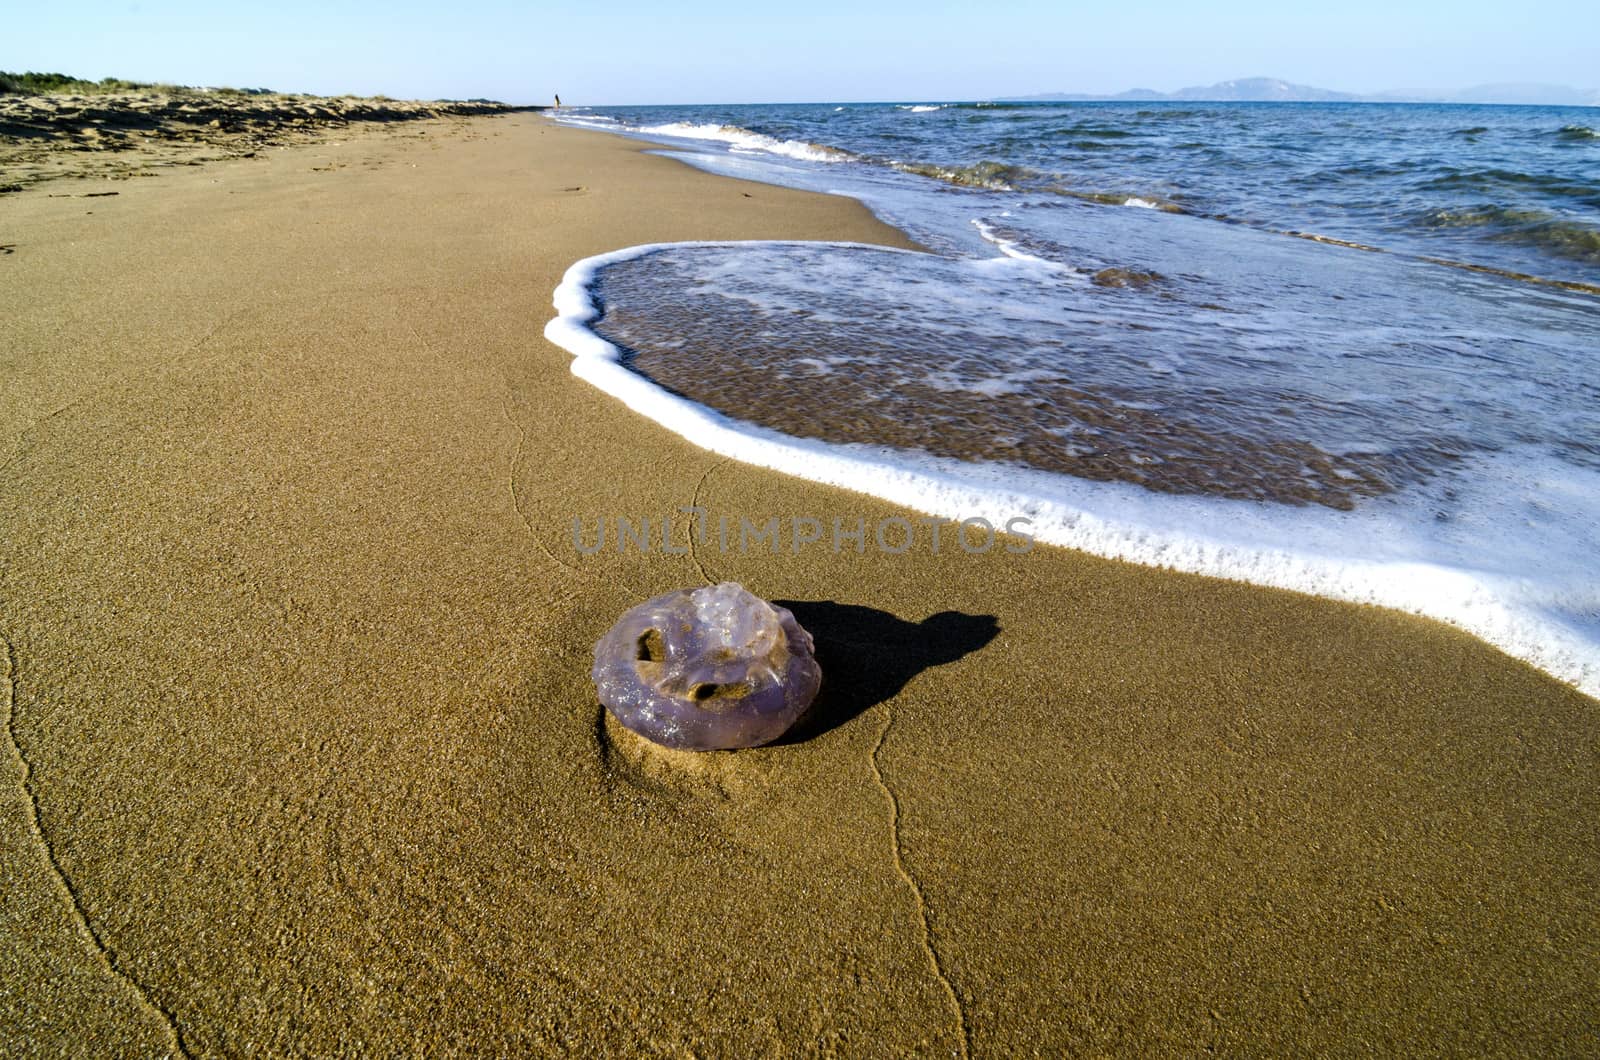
742 139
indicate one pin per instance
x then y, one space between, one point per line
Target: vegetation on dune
34 83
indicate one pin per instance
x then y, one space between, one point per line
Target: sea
1349 349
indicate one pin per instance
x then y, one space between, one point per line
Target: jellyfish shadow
867 656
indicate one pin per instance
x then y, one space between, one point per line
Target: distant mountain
1262 90
1540 95
1244 90
1273 90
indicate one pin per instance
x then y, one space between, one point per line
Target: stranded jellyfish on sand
708 669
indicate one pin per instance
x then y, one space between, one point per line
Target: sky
600 53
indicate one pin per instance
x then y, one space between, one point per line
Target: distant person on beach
558 101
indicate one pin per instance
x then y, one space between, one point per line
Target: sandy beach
117 136
302 755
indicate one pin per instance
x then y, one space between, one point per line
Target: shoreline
1100 519
306 757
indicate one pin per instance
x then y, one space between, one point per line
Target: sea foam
1487 496
1479 574
741 139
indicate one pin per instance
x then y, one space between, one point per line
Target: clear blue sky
716 51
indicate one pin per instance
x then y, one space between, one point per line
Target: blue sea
1349 349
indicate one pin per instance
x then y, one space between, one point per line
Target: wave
990 175
1101 131
1487 214
1536 228
575 116
1499 180
1118 198
1330 554
991 106
995 176
740 138
1014 244
1513 219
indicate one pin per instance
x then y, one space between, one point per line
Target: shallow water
1515 188
1159 383
1165 380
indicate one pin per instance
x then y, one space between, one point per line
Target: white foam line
1160 532
1009 247
739 139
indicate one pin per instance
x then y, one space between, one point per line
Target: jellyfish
709 669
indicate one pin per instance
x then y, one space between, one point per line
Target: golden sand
302 756
63 138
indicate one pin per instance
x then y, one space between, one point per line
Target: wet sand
302 754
